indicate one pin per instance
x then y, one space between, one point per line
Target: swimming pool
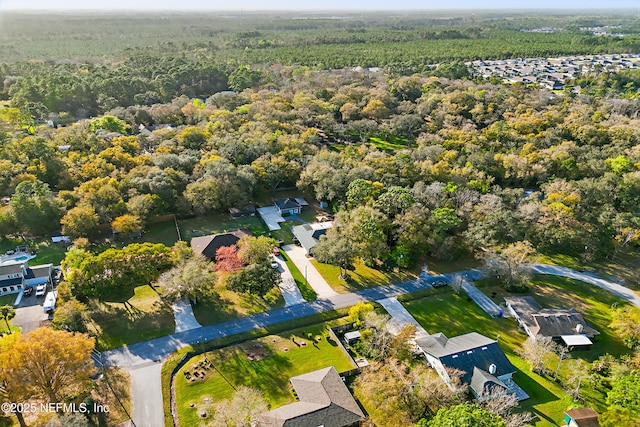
21 258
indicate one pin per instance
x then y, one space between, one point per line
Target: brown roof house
561 324
209 245
324 401
581 417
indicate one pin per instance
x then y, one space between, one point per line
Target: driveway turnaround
311 274
183 315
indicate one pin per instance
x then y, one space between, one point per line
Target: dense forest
416 164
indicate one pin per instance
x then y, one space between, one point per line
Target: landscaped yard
266 363
47 251
131 316
453 315
361 277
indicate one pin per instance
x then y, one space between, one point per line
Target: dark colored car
27 291
439 284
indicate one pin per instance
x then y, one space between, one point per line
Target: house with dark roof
287 206
480 360
16 275
242 212
209 245
309 234
564 325
324 400
581 417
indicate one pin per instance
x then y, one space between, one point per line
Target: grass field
276 358
361 277
132 316
47 251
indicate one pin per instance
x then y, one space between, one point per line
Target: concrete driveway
271 217
287 285
29 313
315 279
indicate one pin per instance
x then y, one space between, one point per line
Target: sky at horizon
327 5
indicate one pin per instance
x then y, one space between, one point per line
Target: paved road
315 279
146 394
140 354
588 277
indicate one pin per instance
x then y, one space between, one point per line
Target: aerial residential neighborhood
376 215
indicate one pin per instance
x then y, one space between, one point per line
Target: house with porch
564 325
485 368
288 206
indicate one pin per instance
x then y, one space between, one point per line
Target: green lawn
144 316
453 315
361 276
277 359
47 251
305 289
392 143
228 305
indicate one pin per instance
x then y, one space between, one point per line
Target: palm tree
7 313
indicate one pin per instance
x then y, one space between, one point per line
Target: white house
15 275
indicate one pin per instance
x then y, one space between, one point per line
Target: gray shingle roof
466 352
309 234
324 401
483 383
287 203
11 267
549 322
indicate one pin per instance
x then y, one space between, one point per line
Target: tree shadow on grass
266 373
127 325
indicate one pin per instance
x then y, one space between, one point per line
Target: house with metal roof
309 234
480 360
564 325
209 245
324 400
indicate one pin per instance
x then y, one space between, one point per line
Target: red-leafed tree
227 259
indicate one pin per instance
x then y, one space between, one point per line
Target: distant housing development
552 73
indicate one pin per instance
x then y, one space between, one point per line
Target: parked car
274 264
27 291
439 284
41 290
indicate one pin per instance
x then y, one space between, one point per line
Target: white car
41 290
274 264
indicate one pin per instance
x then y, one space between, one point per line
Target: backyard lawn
131 316
361 277
266 363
